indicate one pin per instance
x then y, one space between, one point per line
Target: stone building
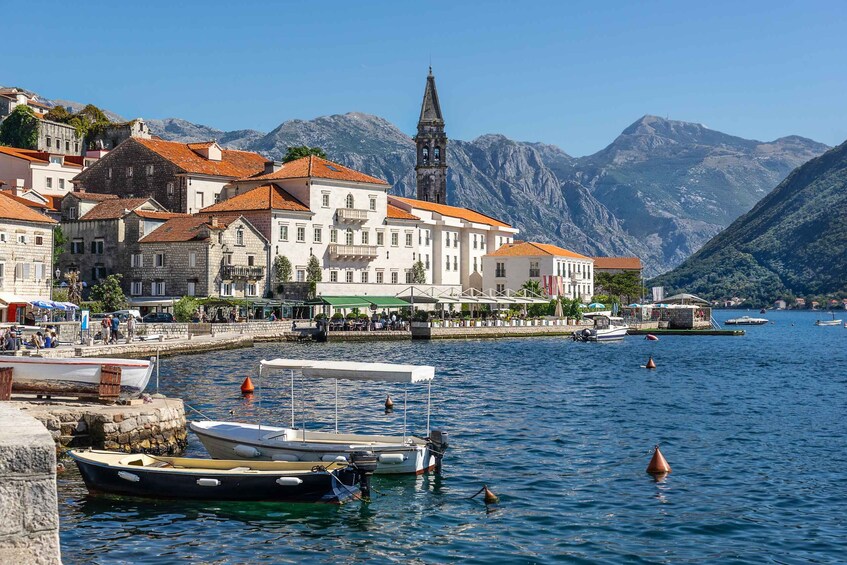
183 177
431 147
48 173
26 257
200 255
114 134
560 272
77 204
53 137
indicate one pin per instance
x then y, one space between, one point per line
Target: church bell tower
431 145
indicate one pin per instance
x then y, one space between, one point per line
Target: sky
573 74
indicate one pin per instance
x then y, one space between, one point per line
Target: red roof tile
266 197
622 263
315 167
533 249
113 209
91 196
187 228
25 154
453 211
233 164
396 213
158 215
11 209
31 203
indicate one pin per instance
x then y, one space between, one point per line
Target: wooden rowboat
58 375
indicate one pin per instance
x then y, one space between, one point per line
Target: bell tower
431 145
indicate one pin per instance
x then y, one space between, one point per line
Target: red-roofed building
48 173
617 264
560 272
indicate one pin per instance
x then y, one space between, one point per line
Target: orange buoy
389 404
247 386
650 363
651 337
488 496
658 464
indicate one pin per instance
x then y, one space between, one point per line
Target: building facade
49 173
566 273
53 137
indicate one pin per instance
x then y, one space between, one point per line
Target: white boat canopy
355 371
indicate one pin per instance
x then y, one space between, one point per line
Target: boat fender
392 458
131 477
246 451
208 482
284 457
339 458
289 481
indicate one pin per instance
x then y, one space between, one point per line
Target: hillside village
196 219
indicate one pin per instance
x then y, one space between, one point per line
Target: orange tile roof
315 167
233 164
30 203
453 212
623 263
150 214
396 213
201 144
534 249
112 209
11 209
266 197
25 154
186 228
92 196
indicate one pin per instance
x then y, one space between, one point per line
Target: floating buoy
651 337
389 404
487 495
650 363
658 464
247 386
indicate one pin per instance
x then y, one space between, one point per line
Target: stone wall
29 529
426 331
26 267
54 137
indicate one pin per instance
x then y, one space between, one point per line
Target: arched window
348 236
425 154
436 153
350 201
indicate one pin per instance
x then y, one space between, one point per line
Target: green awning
344 301
387 301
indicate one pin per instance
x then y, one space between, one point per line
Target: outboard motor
365 463
438 445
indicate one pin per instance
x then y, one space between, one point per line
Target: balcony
230 272
351 215
364 252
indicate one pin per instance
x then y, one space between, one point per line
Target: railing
353 251
242 272
352 215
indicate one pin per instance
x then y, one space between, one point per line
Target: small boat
763 311
395 454
606 328
58 375
746 321
112 472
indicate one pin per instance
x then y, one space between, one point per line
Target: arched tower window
350 201
348 236
425 154
436 154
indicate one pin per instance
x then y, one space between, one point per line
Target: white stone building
511 265
48 173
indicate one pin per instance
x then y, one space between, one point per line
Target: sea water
753 427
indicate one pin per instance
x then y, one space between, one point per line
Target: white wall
206 187
577 273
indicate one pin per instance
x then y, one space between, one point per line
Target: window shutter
93 247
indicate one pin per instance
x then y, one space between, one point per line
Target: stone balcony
351 215
363 252
229 272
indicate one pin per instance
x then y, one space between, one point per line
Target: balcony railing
352 215
241 272
353 251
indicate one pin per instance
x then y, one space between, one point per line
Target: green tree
418 273
184 308
314 274
302 151
20 128
59 241
109 293
282 269
624 286
533 289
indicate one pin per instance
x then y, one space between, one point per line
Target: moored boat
606 328
746 321
58 375
832 322
110 472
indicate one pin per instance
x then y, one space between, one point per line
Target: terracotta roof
533 249
315 167
396 213
201 144
92 196
11 209
623 263
150 214
25 154
30 203
233 164
112 209
453 212
186 228
266 197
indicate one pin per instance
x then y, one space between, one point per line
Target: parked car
123 315
158 318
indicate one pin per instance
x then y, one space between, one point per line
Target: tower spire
431 144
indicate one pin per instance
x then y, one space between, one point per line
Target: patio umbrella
559 313
42 304
634 305
596 305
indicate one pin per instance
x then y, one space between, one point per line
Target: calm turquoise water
754 428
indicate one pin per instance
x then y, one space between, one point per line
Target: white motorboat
832 322
606 328
746 321
60 375
396 454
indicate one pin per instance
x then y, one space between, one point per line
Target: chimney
272 167
18 188
213 221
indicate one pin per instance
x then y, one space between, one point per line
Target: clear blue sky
573 74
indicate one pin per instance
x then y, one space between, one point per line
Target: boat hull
612 334
828 323
55 375
232 440
333 487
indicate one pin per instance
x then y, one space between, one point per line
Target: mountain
794 241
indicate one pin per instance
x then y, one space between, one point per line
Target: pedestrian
130 328
273 316
105 328
116 326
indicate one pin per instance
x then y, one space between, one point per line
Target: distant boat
606 328
746 321
832 322
763 311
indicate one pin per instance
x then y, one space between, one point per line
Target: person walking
130 328
116 326
105 329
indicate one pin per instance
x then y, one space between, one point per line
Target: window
420 236
39 271
534 271
394 277
76 147
149 170
333 276
283 233
301 234
455 262
198 200
77 246
409 239
348 236
226 289
348 276
447 239
380 238
349 201
425 154
110 172
62 183
250 289
325 200
474 242
58 144
239 237
170 187
364 276
301 275
135 288
49 182
426 263
251 260
49 141
191 288
192 259
455 240
67 146
501 288
436 153
395 239
500 270
227 259
39 240
365 237
22 239
379 277
373 203
98 272
159 260
447 263
409 277
136 260
474 265
482 242
129 171
2 272
333 235
317 235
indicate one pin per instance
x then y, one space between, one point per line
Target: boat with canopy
396 454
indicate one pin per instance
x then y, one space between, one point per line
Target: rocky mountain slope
794 241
